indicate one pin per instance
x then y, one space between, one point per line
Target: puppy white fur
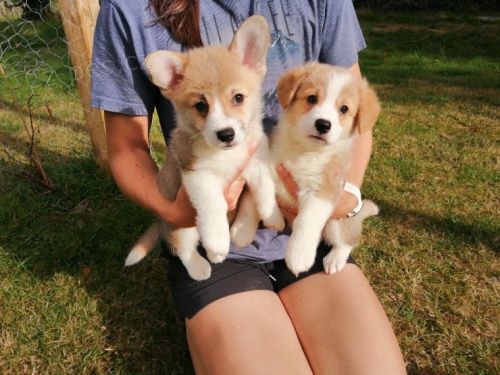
323 109
216 94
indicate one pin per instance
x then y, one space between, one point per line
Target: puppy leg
306 233
336 259
261 184
246 223
185 241
344 234
205 193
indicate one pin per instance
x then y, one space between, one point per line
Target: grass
69 307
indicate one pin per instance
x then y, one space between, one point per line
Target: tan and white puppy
216 94
324 107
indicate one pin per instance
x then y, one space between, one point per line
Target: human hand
345 205
235 186
290 213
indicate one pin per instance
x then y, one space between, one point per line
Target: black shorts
231 277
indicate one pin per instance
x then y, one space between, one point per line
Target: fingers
287 179
233 192
251 150
185 214
237 184
289 213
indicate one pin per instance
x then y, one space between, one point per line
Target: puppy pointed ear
288 85
166 69
251 43
369 108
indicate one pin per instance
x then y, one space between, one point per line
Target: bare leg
245 333
341 324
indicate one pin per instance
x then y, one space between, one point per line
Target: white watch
353 189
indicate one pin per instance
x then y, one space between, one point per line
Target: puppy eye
312 99
344 109
238 99
201 107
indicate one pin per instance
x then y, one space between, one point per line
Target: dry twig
32 154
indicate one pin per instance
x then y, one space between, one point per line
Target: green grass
69 307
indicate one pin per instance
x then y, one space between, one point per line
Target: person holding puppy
252 315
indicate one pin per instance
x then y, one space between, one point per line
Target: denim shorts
231 277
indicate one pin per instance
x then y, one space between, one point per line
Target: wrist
354 190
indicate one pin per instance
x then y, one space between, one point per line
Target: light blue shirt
325 30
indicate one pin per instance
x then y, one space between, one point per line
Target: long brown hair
182 18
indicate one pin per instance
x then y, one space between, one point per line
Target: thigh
245 333
341 324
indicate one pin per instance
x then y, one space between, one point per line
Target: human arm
135 171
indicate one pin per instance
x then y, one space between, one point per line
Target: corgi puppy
216 95
323 109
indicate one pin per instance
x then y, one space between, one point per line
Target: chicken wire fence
40 104
33 50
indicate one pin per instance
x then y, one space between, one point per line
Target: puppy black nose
322 126
225 135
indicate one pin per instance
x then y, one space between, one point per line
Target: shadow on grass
83 228
45 118
450 51
449 228
432 34
86 223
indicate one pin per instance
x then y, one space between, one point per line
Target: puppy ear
288 85
166 69
369 108
251 43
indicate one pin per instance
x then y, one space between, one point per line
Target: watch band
353 189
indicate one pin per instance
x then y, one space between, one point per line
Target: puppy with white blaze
324 107
216 95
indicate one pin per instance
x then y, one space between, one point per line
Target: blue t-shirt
325 30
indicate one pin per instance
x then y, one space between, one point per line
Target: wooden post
79 19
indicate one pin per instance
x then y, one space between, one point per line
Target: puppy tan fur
323 109
216 94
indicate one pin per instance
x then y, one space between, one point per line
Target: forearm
135 174
133 168
360 157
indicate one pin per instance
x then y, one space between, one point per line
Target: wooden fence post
79 19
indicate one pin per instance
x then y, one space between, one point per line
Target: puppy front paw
275 221
216 242
299 258
217 250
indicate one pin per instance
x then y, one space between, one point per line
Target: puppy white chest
308 171
222 163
